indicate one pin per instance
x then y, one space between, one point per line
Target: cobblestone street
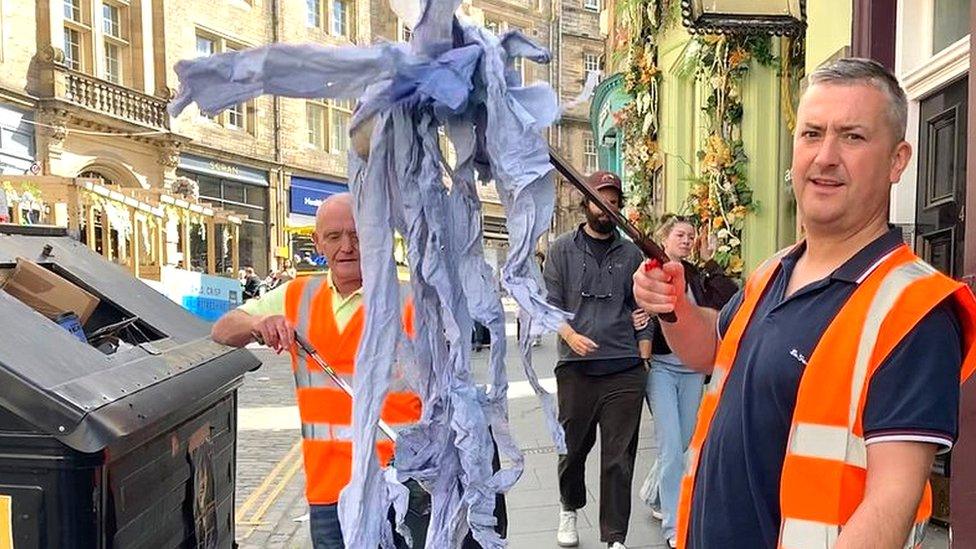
271 508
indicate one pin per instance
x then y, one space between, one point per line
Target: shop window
241 198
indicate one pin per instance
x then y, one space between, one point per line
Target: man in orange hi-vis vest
836 370
328 311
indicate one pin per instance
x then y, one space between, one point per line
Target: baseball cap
604 180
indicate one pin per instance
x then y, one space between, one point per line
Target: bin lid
74 392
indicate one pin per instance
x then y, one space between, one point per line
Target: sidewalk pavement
271 509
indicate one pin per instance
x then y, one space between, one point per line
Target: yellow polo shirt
273 303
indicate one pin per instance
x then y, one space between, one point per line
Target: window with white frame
327 125
116 44
403 32
72 11
589 155
78 35
591 62
591 5
313 10
341 22
240 116
340 113
315 120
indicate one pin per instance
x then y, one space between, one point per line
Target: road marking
272 497
293 455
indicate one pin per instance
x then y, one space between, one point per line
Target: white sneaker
567 535
617 545
656 513
672 543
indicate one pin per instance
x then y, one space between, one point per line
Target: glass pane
314 18
256 196
254 246
72 49
72 10
209 186
233 191
339 18
113 72
205 46
111 20
339 138
951 22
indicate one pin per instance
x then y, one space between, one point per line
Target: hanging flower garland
720 197
642 24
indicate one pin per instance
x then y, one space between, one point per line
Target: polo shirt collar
332 286
854 269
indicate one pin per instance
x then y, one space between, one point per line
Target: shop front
244 190
305 195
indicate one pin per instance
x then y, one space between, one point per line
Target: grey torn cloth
456 77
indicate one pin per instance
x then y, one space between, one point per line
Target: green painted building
767 143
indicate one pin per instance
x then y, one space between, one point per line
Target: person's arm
692 337
554 277
911 411
896 477
264 317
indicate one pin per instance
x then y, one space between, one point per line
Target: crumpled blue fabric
460 78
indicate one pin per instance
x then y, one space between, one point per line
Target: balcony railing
110 99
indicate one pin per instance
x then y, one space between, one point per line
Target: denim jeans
673 395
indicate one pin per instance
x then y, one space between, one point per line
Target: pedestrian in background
600 376
673 390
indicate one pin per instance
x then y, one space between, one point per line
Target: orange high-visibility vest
325 410
825 467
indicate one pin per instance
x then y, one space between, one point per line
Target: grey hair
856 70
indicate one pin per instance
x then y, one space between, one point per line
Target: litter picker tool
346 388
650 248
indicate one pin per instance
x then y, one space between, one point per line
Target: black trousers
612 402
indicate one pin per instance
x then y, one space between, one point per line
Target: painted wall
767 144
828 29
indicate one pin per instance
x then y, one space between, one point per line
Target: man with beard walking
600 375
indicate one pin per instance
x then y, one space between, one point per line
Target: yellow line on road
293 453
272 497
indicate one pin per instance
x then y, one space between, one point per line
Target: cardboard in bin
48 293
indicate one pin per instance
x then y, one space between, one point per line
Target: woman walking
673 390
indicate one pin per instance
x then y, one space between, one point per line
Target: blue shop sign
307 194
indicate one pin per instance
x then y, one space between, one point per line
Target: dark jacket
710 288
605 314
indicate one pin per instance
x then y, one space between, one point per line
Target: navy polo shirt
913 396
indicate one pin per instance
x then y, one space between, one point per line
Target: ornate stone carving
169 155
50 54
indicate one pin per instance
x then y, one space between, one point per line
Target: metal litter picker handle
312 352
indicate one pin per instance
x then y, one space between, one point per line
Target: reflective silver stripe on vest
889 291
828 442
304 306
718 376
316 431
807 534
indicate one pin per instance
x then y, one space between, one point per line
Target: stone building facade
88 95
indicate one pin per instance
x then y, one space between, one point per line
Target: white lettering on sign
314 202
226 168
